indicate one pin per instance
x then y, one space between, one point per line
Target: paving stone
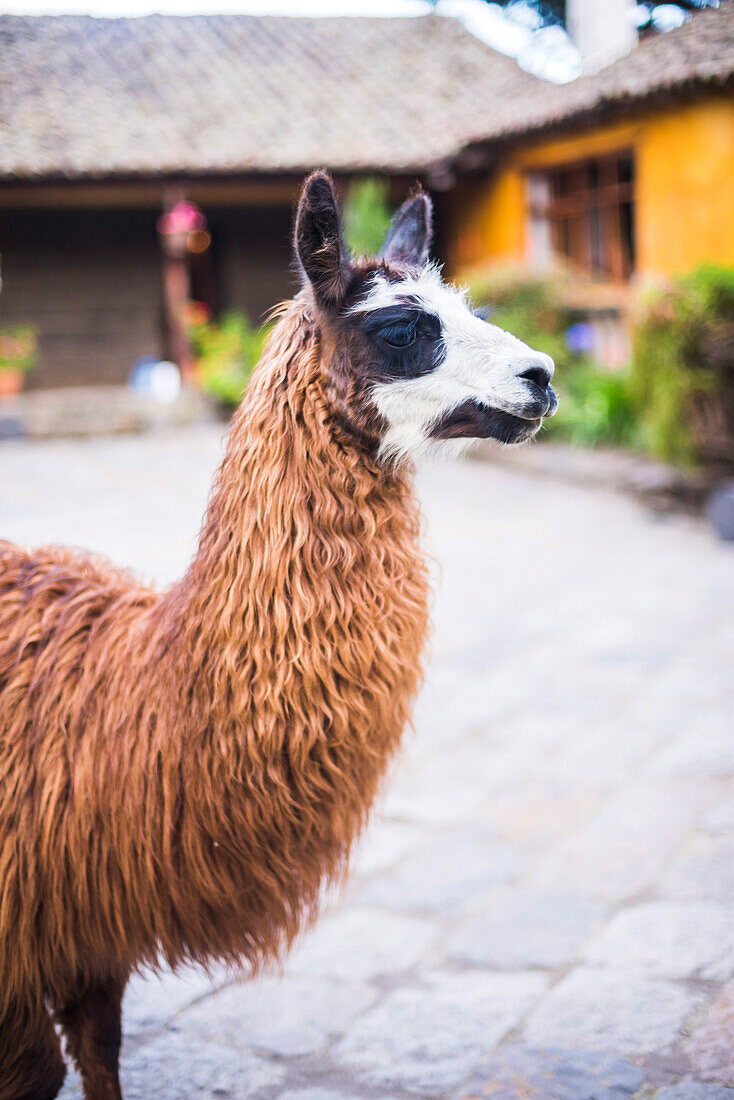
694 1090
459 695
315 1094
72 1089
101 410
523 929
484 761
543 730
720 818
707 749
682 691
534 815
604 757
289 1015
425 799
596 693
703 869
429 1039
711 1044
616 1011
623 849
516 1072
442 876
359 944
181 1066
153 999
383 845
670 939
449 788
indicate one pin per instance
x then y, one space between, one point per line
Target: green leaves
227 351
367 216
683 367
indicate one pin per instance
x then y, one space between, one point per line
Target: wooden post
176 288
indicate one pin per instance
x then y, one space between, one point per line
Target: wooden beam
148 194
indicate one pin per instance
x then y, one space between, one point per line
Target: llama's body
179 773
198 823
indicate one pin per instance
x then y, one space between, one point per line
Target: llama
181 772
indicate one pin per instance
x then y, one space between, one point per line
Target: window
584 211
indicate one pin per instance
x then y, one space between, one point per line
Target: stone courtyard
543 905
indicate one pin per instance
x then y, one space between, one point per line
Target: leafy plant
367 216
595 405
530 306
683 367
18 348
227 351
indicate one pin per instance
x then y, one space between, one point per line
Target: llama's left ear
318 240
409 237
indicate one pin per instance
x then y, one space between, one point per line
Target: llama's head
409 362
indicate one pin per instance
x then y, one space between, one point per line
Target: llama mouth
472 420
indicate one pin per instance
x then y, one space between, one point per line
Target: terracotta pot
11 382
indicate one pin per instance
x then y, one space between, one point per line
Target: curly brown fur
179 773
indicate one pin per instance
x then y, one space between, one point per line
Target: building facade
624 175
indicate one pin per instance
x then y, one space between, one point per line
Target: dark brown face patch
404 341
396 343
472 420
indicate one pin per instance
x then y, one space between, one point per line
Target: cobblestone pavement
544 903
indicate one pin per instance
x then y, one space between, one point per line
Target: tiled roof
85 97
699 55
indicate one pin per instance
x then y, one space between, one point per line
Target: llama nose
539 371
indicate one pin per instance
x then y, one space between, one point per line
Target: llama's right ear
318 240
409 236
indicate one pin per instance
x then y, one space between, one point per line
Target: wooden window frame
585 221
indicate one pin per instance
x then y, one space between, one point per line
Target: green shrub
367 216
683 360
18 347
595 405
226 350
595 408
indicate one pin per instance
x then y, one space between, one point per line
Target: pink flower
182 218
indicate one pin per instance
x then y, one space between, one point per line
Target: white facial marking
482 363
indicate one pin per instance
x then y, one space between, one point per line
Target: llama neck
301 623
304 538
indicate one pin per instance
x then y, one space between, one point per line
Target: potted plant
18 347
683 369
226 351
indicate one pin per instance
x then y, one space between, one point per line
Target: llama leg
91 1020
31 1066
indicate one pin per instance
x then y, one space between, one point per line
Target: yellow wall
684 190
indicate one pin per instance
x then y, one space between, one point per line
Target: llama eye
398 336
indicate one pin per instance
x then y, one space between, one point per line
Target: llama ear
409 236
318 240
